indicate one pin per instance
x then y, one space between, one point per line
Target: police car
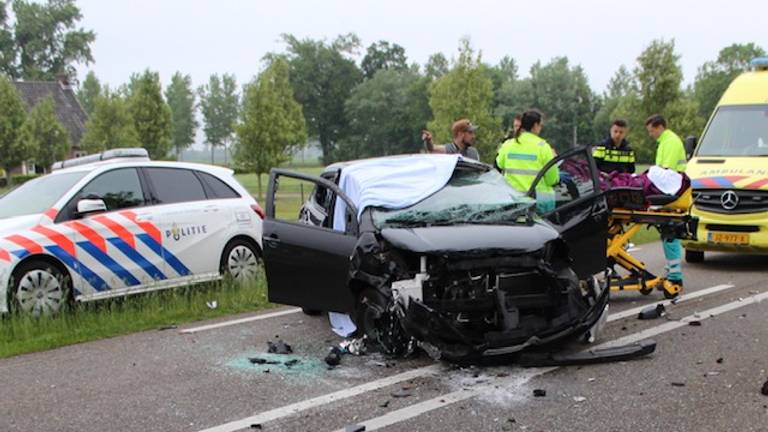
117 223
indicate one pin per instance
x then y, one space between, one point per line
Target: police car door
578 209
193 229
112 246
307 265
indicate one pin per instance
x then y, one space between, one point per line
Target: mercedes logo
729 200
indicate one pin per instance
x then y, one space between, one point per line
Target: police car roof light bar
118 153
760 63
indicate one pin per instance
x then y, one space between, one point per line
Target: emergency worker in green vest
521 158
669 154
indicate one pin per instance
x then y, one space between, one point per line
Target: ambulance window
173 185
118 188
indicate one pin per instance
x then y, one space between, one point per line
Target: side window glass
120 189
575 182
175 185
220 189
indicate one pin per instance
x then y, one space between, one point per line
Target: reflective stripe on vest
528 172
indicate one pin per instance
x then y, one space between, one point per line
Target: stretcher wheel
671 290
646 291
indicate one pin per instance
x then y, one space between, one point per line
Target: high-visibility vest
671 151
521 159
613 155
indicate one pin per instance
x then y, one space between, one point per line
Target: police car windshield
470 197
737 131
38 195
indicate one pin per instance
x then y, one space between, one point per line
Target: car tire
240 260
40 288
311 312
378 324
692 256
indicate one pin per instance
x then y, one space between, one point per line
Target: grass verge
20 334
646 236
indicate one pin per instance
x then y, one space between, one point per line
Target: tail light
259 211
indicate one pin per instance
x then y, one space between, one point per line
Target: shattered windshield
470 197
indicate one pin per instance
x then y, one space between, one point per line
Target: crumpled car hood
460 238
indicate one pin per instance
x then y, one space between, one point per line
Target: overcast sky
201 37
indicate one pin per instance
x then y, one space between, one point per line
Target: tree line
318 89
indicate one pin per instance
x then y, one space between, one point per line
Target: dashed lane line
424 407
240 321
685 297
297 407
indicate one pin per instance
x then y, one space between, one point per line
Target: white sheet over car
392 183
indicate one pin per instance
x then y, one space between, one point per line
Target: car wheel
311 312
240 260
692 256
40 288
374 320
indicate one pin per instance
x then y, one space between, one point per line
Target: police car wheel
40 288
240 260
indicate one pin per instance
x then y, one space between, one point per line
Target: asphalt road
701 378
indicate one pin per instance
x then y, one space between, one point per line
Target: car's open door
307 265
576 207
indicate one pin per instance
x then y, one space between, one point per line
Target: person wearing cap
463 140
521 158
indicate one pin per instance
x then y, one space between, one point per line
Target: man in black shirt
614 153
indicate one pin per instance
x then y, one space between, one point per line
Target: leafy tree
181 99
90 89
658 76
7 44
620 86
151 115
110 125
13 151
437 66
382 55
219 102
563 94
465 92
43 132
656 88
506 89
385 116
323 76
714 76
271 123
47 40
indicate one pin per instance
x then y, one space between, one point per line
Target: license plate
724 237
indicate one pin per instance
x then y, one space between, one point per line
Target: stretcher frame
630 212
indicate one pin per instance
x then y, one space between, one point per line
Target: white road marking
683 298
416 410
634 249
422 407
241 321
323 400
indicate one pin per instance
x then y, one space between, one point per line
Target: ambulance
729 170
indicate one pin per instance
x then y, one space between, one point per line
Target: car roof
341 165
133 163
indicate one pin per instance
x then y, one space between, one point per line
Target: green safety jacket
520 160
671 151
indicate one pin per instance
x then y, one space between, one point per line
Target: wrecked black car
471 271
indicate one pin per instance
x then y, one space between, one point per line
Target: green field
114 317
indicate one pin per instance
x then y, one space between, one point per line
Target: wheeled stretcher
631 211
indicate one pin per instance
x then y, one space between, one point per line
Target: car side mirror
91 205
690 146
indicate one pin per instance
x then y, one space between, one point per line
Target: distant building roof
68 108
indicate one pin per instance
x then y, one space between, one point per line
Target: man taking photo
463 140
